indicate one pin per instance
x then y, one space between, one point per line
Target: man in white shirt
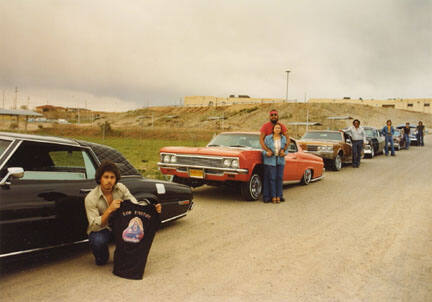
358 140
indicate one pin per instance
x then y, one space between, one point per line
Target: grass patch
143 154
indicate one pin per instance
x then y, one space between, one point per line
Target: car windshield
369 132
396 133
3 145
323 135
236 140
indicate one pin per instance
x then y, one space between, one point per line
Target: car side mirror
15 172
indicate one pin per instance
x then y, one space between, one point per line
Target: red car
235 158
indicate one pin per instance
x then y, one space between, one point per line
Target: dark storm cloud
159 51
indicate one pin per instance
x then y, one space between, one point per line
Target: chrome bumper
323 154
222 170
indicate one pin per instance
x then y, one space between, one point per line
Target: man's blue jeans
420 140
389 140
407 141
276 178
266 183
99 245
357 146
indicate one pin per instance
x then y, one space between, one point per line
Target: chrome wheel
307 177
251 190
337 163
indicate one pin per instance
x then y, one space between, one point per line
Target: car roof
240 132
334 131
43 138
102 152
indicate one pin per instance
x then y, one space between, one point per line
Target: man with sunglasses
267 129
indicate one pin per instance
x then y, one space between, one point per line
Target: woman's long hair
280 125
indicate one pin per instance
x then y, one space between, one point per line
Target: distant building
50 108
417 105
75 109
231 100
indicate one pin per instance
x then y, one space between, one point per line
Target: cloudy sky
119 55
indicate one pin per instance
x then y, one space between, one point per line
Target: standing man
388 132
407 131
358 140
100 203
267 129
420 133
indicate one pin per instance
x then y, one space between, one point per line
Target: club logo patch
134 232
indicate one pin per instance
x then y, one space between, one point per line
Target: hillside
208 120
251 117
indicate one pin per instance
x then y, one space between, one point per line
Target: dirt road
358 235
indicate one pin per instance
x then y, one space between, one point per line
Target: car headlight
235 163
325 148
227 162
173 159
166 158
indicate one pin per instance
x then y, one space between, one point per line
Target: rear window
107 153
333 136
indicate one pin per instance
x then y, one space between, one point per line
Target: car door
292 170
381 140
46 206
346 146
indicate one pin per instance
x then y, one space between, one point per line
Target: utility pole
16 98
287 72
307 113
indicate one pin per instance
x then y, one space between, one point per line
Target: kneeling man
100 203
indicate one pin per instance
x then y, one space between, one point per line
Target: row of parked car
235 158
43 180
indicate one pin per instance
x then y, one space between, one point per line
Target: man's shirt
358 134
134 227
96 205
267 128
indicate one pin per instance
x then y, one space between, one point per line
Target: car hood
216 151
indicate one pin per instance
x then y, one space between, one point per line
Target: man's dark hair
356 120
107 166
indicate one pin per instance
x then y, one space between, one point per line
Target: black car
43 182
376 142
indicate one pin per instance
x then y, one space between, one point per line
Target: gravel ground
358 235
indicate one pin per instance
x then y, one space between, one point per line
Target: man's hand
115 204
158 207
269 153
282 152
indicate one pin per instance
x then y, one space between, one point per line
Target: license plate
196 173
